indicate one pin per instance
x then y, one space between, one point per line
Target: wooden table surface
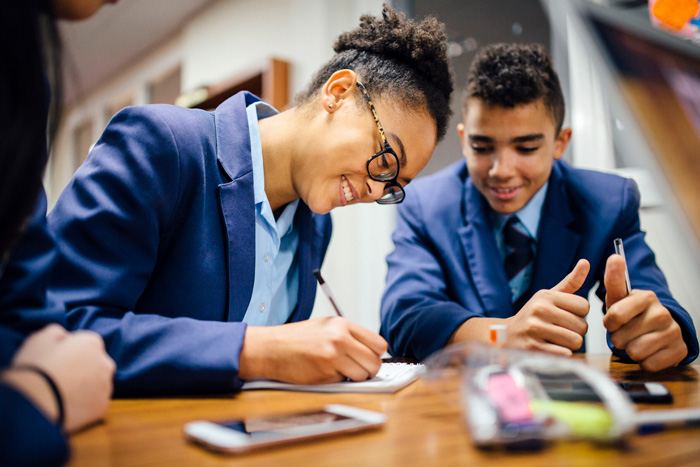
424 427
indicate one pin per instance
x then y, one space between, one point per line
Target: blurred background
196 53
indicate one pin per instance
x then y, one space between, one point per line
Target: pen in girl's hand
327 291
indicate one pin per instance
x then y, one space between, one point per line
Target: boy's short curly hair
398 58
508 75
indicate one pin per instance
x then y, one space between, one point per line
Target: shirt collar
257 111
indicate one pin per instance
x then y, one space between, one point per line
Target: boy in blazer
514 235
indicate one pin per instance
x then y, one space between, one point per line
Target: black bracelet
49 380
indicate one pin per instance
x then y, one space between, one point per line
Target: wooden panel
275 84
268 80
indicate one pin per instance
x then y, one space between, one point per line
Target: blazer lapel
237 201
481 253
558 242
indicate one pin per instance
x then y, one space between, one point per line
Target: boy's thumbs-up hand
553 320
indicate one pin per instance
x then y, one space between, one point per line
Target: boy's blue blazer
446 268
156 240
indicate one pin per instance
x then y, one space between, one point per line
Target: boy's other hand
639 324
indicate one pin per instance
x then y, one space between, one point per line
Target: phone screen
278 424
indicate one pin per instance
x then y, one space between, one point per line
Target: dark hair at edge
395 58
508 75
30 47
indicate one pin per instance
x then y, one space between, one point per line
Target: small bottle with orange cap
498 338
497 335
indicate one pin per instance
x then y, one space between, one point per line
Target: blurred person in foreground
52 382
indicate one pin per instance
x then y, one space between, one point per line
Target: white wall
231 35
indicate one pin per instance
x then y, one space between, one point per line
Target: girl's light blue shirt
276 286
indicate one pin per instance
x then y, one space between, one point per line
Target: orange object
497 335
675 13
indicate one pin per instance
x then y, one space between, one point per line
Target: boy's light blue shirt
276 285
529 217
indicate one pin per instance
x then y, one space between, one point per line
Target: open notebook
390 378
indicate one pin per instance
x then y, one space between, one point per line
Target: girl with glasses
188 238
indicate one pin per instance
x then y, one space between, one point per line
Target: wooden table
424 427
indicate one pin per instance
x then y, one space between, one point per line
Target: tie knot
514 234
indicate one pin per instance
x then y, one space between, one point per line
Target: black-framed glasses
384 165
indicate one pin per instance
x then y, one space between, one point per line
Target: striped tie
519 260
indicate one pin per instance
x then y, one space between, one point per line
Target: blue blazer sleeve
110 223
418 312
26 436
643 270
24 304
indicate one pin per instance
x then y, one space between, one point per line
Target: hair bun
422 46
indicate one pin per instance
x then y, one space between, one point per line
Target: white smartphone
239 436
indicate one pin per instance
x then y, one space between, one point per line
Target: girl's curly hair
395 57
